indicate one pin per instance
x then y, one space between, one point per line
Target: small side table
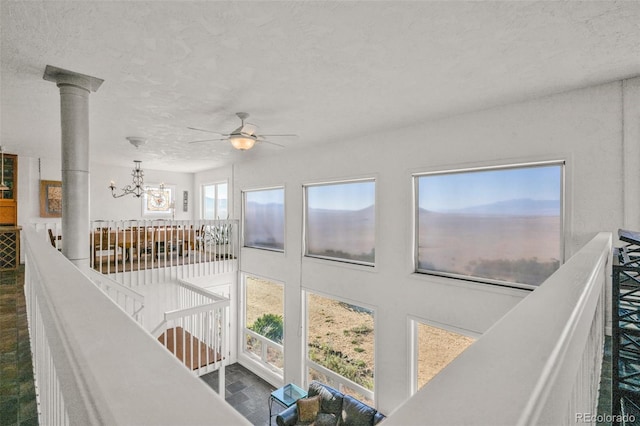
286 396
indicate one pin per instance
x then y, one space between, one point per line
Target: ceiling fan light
242 143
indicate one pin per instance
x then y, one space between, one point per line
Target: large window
340 345
500 225
264 219
264 322
435 348
340 221
215 201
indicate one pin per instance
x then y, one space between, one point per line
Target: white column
74 117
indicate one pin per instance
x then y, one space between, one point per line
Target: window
340 221
263 322
264 219
501 225
340 345
215 201
435 348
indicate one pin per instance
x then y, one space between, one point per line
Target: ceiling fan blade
208 131
270 143
207 140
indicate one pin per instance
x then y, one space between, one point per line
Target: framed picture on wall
158 201
50 198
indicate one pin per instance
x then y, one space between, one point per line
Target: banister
178 313
199 290
136 252
526 369
100 366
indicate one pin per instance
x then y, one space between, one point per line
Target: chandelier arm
136 188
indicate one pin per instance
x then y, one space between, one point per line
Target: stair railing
196 332
126 298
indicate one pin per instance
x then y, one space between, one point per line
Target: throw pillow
331 398
308 409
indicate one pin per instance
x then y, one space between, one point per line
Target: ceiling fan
242 138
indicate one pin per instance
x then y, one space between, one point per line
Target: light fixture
242 142
3 187
137 186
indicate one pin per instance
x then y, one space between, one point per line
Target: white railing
138 252
336 381
538 365
93 364
196 332
129 300
267 352
52 232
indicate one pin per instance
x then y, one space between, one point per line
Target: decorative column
74 117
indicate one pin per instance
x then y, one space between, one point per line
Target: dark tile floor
604 397
17 394
246 392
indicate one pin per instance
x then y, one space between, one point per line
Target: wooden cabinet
9 198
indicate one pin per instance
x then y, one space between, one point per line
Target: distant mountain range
518 207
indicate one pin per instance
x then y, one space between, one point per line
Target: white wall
30 172
105 207
102 204
583 127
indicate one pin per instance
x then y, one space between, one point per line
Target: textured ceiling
326 71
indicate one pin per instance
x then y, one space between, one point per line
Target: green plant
269 326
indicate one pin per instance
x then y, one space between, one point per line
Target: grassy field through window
264 310
340 337
436 349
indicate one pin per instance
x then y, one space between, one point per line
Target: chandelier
136 188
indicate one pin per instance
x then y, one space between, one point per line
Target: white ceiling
326 71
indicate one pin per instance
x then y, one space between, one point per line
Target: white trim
414 345
261 365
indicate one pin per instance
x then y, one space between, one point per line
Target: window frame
260 360
215 206
414 346
305 219
562 163
284 219
310 364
